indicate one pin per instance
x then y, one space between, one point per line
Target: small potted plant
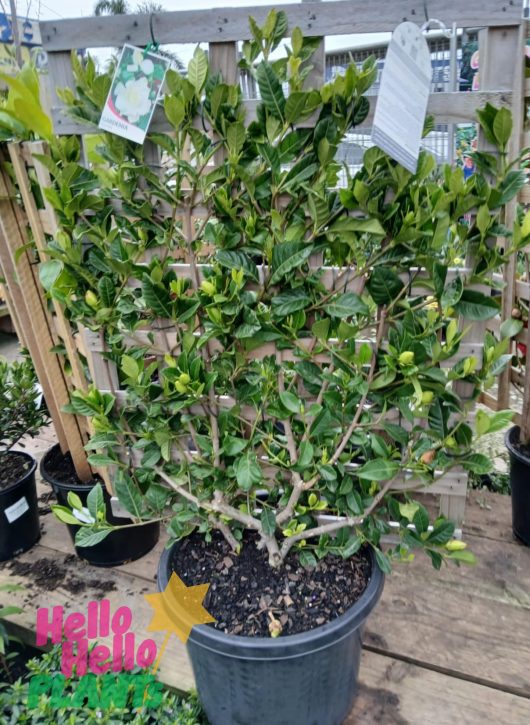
20 415
280 395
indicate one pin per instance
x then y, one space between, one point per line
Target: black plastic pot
19 514
520 483
119 546
300 679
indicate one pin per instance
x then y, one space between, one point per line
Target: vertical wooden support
223 60
34 319
505 75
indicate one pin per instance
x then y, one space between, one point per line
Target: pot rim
26 475
293 645
509 440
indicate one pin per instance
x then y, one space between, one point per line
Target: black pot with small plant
20 416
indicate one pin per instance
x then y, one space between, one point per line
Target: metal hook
439 23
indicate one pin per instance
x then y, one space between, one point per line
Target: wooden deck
448 647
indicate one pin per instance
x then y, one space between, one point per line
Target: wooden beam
231 24
445 107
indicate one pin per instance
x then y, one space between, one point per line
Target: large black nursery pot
300 679
19 514
119 546
520 483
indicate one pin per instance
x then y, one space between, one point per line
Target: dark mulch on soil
14 665
48 574
13 467
245 592
61 467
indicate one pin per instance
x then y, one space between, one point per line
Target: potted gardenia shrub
289 358
20 415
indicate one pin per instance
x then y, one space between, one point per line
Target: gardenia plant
299 366
21 413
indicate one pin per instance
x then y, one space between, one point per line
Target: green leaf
476 306
305 455
441 533
237 260
320 329
288 302
346 305
477 463
421 519
64 515
198 69
175 110
502 126
288 256
351 224
88 537
268 522
271 90
106 291
74 501
383 561
235 138
49 273
294 106
378 469
500 420
99 459
408 510
156 297
465 557
233 446
130 367
384 285
351 547
452 293
308 559
248 471
510 186
511 327
290 401
128 494
95 502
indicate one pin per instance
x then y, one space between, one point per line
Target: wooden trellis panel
222 29
34 323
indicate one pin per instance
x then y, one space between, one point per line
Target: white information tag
402 101
133 94
16 510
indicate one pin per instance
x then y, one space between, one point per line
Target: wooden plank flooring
447 647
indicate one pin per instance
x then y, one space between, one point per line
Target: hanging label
16 510
402 101
134 93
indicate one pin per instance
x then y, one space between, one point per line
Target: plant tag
16 510
402 101
134 93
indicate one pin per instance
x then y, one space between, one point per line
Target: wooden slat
396 692
467 620
231 24
446 107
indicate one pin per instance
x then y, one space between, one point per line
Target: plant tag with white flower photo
133 94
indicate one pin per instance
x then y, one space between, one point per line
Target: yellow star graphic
177 609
